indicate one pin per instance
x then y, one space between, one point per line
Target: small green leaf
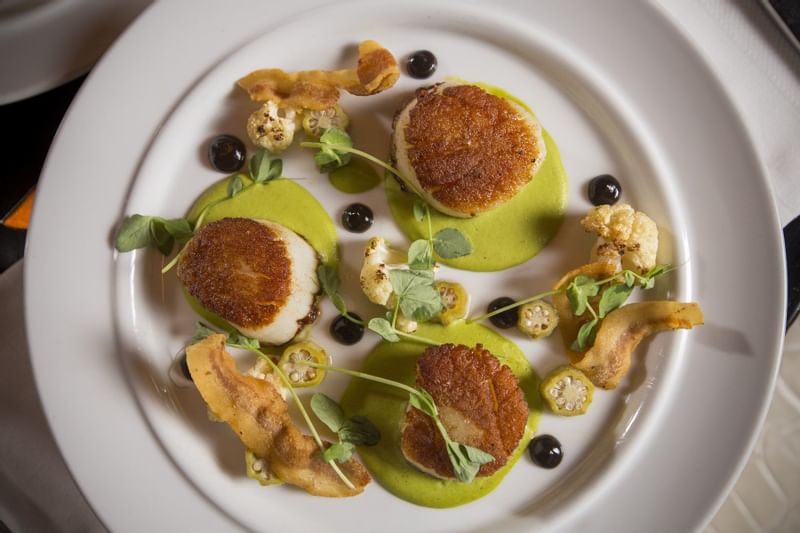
179 228
238 340
260 164
419 255
359 431
328 411
418 296
275 170
420 209
338 303
476 455
328 278
384 328
424 402
586 336
134 233
466 460
630 279
579 291
235 185
336 136
339 452
612 298
450 243
161 236
201 331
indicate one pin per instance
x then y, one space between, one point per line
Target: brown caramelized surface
479 401
239 269
471 150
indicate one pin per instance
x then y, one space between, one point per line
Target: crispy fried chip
376 71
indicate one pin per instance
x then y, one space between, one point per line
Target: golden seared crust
238 268
479 401
469 149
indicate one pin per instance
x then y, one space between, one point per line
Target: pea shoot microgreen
352 432
583 288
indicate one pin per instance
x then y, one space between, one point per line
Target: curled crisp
376 71
256 411
608 360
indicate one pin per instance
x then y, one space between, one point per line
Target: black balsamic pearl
506 319
346 331
421 64
357 218
604 189
226 153
545 451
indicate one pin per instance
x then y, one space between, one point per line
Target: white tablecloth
762 72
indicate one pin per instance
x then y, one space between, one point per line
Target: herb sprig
141 231
354 431
583 288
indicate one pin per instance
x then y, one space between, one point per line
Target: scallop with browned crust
258 275
465 150
479 401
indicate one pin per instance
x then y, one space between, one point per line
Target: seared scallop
479 402
258 275
465 150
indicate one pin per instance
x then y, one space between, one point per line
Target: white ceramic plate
620 90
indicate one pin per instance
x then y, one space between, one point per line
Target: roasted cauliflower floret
379 258
625 236
268 129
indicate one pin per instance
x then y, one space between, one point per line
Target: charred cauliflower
379 258
625 236
268 129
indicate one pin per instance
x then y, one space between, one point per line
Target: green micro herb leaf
384 328
201 331
235 185
333 149
264 168
586 336
450 243
424 402
419 255
420 209
339 452
357 431
613 297
579 291
630 278
134 233
238 340
179 228
466 460
329 279
328 411
416 293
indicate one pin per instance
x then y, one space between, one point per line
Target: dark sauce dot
357 218
185 368
507 319
346 331
604 189
421 64
226 153
545 451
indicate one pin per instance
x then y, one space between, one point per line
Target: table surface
766 497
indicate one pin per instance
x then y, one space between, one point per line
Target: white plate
620 90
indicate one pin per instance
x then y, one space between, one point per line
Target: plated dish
618 142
